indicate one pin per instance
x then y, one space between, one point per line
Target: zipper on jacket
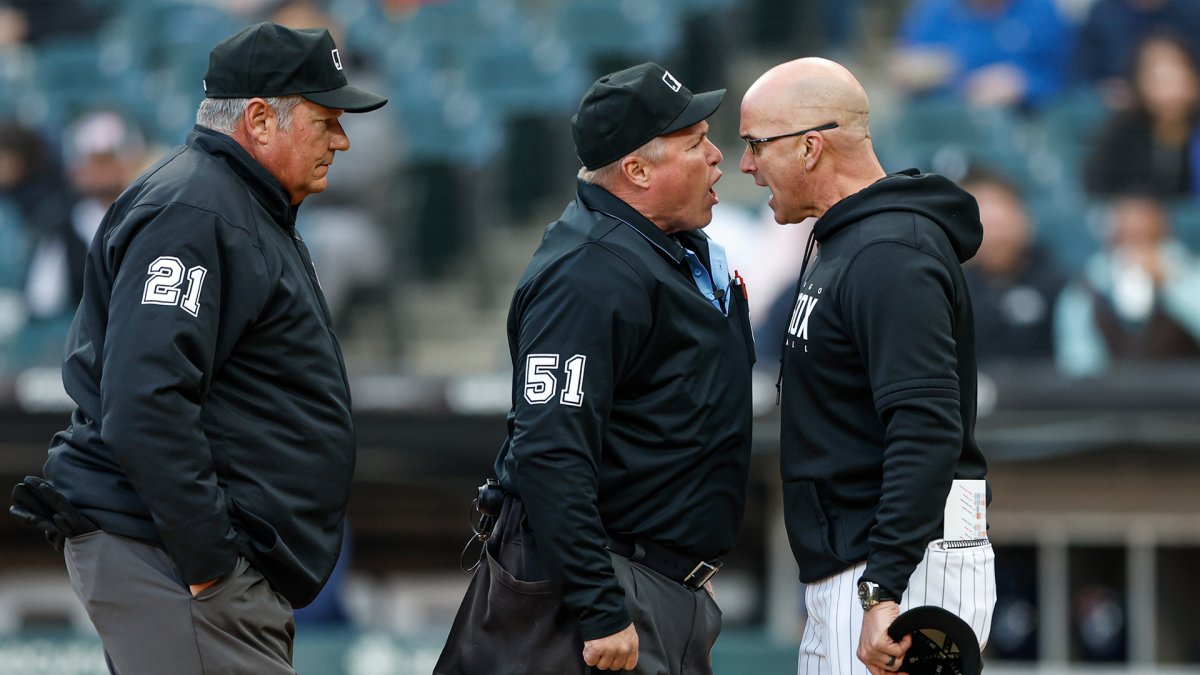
311 269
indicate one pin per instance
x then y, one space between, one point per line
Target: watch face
866 594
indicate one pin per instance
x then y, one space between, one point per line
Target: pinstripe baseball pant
961 580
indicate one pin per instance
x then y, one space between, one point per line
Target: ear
810 150
636 170
259 120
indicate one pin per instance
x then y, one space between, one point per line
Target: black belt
691 573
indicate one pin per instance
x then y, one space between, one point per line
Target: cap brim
701 107
348 98
933 618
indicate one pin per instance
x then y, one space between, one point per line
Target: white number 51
541 385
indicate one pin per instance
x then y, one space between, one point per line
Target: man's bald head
808 92
807 139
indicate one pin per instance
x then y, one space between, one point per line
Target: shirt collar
265 187
596 198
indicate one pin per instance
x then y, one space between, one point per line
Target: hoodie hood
933 196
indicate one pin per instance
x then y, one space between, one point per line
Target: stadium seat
612 34
369 30
14 247
163 46
1069 122
514 78
450 32
1067 225
14 262
69 79
442 120
932 130
1185 219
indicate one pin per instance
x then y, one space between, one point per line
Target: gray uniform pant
150 624
513 622
676 627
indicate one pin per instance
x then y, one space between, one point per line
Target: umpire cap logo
337 59
670 81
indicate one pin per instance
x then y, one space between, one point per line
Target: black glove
37 504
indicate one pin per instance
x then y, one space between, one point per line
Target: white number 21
166 276
541 385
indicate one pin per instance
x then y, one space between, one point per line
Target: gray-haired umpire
201 485
629 436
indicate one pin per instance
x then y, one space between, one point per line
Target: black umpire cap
622 111
267 59
942 643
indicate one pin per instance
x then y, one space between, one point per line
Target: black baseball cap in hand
622 111
942 643
267 59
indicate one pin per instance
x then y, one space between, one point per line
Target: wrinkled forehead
764 110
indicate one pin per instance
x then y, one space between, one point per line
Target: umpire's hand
618 651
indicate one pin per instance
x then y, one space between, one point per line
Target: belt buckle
700 574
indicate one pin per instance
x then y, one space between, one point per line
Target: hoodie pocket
809 533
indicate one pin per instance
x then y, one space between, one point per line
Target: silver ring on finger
891 661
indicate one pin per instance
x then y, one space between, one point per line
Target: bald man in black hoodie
877 378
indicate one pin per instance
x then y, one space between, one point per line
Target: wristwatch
871 594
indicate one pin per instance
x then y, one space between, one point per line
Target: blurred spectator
1109 37
1013 282
988 52
103 152
30 179
824 27
32 192
1137 300
1151 147
35 21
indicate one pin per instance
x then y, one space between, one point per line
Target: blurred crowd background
1075 123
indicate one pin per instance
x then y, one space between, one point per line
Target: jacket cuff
203 550
605 625
891 571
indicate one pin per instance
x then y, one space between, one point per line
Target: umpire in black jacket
208 462
629 437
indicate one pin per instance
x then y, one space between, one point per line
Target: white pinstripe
960 580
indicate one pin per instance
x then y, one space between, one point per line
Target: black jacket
213 409
631 401
879 380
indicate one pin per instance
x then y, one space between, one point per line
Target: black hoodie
878 379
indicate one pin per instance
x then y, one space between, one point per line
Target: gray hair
222 114
654 151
